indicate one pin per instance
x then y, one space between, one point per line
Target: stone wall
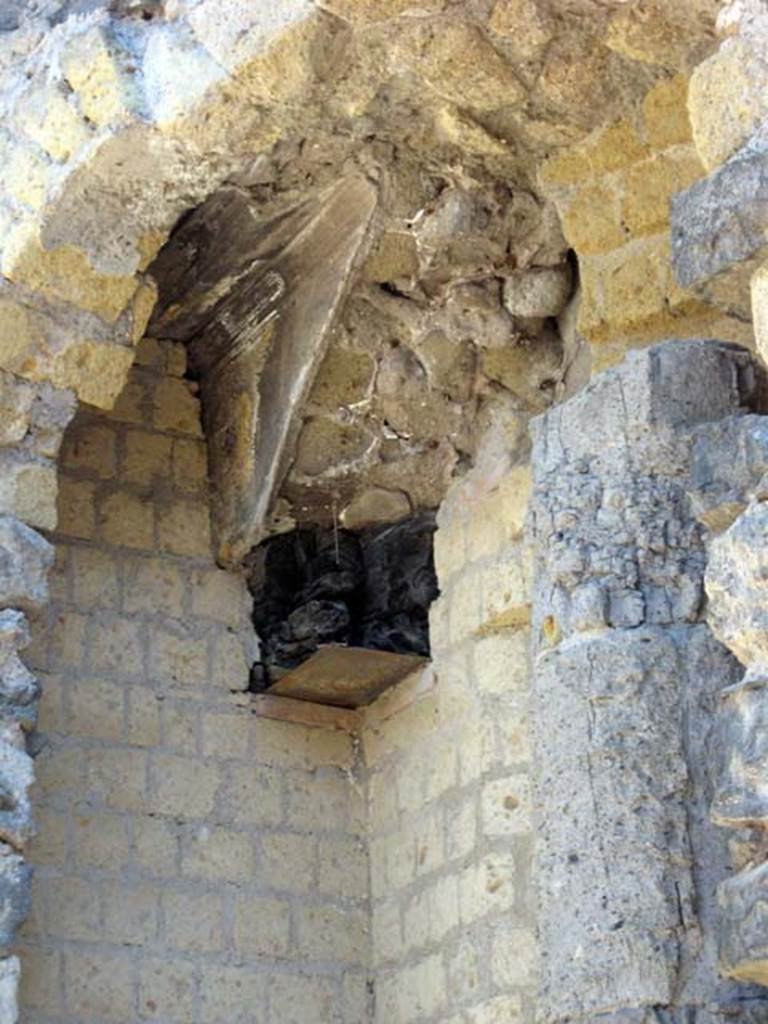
613 191
196 861
448 758
626 689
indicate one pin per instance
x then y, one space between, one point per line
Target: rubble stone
25 560
538 292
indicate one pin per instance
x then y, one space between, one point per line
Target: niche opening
342 615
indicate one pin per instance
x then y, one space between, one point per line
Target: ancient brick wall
449 766
613 191
195 860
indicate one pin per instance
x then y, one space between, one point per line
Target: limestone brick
506 806
146 458
94 578
118 778
262 926
99 986
126 520
349 928
130 404
67 640
175 408
177 658
153 583
16 398
131 914
66 273
501 1010
726 100
217 854
96 370
592 219
256 796
665 113
28 490
193 920
342 867
46 117
155 846
222 596
73 909
92 68
233 994
41 981
648 186
513 960
290 996
183 787
227 734
25 175
461 65
100 841
190 467
183 528
168 988
180 726
77 514
287 862
116 646
96 709
60 773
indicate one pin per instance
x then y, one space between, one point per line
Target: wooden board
346 677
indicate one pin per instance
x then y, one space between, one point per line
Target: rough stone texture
449 776
118 118
25 559
19 689
726 97
743 946
625 683
613 191
195 860
718 229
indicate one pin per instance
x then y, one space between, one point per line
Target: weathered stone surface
744 902
759 297
10 970
539 291
375 506
614 786
25 559
626 683
28 490
741 796
718 229
737 586
16 777
729 461
726 98
15 880
19 690
16 397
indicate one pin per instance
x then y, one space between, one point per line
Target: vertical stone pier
626 677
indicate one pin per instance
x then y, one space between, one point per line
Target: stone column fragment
626 676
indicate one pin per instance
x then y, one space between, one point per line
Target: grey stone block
25 559
719 229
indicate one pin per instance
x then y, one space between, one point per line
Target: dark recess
318 586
